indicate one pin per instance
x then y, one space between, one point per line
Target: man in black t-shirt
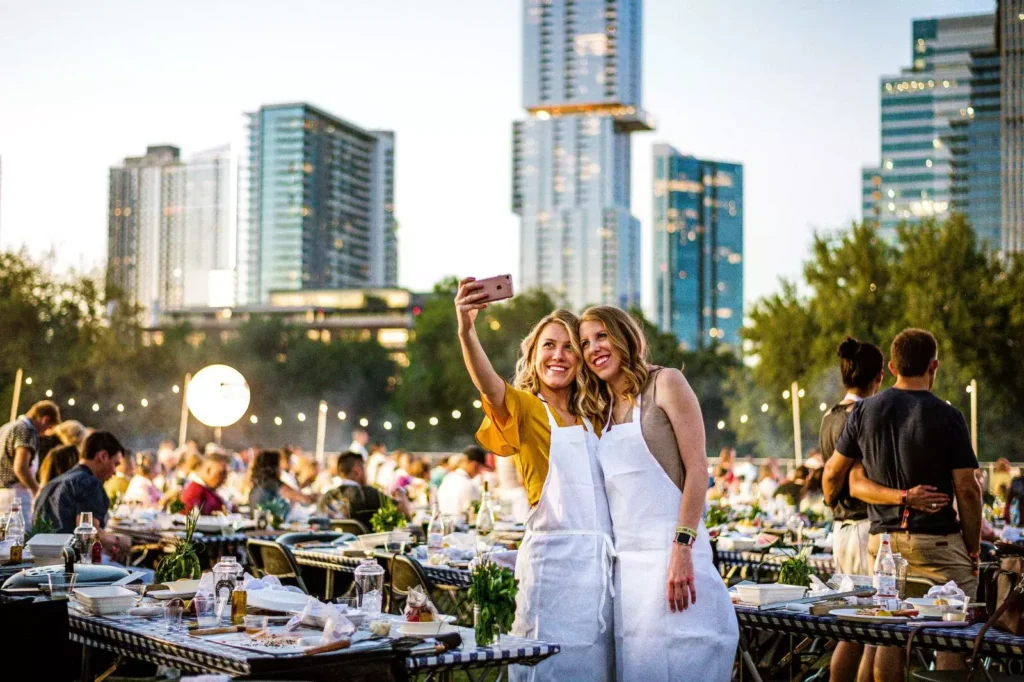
907 438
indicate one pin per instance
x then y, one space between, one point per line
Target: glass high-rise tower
169 237
698 248
316 205
571 155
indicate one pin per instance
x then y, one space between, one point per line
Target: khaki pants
850 547
939 558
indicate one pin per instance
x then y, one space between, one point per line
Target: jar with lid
227 577
369 583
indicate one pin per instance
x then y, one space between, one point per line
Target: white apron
565 565
653 644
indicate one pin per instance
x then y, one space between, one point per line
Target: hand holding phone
474 295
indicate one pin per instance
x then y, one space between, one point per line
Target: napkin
506 559
946 591
328 616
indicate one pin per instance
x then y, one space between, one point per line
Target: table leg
329 585
86 672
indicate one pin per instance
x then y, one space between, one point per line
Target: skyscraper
168 227
317 204
913 180
698 248
571 155
1010 38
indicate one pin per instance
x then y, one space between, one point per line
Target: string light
764 407
433 421
823 407
387 426
302 416
969 389
278 421
144 402
800 393
323 408
254 419
342 415
175 388
120 407
456 414
785 395
49 393
743 419
28 381
364 422
477 404
95 407
721 425
410 425
71 401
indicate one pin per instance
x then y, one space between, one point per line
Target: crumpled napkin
249 584
820 589
945 591
505 558
330 617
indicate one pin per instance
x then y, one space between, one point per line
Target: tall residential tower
169 242
316 204
571 155
698 248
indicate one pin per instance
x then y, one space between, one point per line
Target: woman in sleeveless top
565 560
673 616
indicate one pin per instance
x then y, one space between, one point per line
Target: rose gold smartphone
497 288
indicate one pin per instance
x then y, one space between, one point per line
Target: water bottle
369 585
435 533
85 535
15 530
885 571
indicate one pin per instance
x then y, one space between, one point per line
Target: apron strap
554 424
611 411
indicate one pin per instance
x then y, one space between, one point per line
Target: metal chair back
405 574
292 539
270 558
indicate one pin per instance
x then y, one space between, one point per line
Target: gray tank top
658 432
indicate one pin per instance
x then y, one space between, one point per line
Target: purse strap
1012 599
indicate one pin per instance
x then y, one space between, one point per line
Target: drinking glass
350 603
172 615
206 610
61 584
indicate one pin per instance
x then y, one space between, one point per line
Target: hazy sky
787 87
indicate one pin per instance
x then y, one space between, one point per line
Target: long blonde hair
581 402
630 344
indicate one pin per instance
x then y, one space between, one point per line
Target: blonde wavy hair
582 403
630 344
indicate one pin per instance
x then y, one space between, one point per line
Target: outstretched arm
468 301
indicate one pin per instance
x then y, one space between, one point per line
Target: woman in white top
673 616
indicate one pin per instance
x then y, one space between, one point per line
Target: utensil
227 629
333 646
129 578
859 592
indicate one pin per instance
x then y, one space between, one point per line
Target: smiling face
554 359
598 351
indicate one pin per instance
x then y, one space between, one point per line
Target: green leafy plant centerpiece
277 508
796 570
183 562
388 517
493 590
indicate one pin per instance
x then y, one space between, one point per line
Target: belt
607 564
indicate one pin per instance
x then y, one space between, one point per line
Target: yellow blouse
526 434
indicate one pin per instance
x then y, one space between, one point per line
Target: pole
321 432
17 394
183 429
218 434
974 416
797 446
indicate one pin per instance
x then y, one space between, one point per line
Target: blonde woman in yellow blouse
565 560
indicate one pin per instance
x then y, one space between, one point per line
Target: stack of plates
103 601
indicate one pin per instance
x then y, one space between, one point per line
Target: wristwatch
685 536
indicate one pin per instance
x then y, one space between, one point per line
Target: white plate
277 600
431 629
165 595
851 614
925 606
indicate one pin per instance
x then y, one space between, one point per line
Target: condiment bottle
239 603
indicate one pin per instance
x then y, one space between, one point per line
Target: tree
935 276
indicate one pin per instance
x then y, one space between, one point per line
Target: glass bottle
227 576
485 516
239 603
885 571
435 532
85 535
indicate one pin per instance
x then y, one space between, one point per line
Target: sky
788 88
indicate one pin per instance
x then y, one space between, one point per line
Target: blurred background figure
767 483
461 487
999 483
360 438
378 455
511 492
201 490
64 455
117 485
792 488
141 490
267 484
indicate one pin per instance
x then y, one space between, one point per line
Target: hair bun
849 348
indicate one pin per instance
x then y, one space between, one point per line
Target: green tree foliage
935 276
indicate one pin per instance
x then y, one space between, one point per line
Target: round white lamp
218 396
